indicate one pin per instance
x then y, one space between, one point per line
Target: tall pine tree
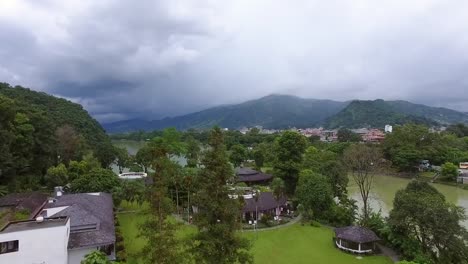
218 221
160 230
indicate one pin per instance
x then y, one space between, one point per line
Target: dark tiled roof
32 201
85 210
33 224
249 175
356 234
266 201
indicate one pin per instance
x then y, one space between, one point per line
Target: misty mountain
273 111
283 111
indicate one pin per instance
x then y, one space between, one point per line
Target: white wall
75 256
38 246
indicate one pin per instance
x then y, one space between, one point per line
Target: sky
149 59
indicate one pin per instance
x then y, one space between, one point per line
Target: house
35 241
356 239
28 204
252 177
89 226
265 203
373 135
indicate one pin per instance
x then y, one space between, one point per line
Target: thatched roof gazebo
356 239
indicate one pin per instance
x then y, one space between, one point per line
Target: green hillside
29 124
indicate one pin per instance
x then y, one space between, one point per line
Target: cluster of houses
331 135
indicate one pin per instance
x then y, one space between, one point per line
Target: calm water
133 147
385 187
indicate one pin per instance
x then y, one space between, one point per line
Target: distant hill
273 111
378 113
283 111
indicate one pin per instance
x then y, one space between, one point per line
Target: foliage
259 157
159 231
378 113
96 180
423 224
217 240
96 257
122 158
277 187
193 152
363 161
289 149
57 176
238 155
342 213
346 135
38 131
460 130
314 193
449 171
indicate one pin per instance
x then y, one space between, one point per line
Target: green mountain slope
273 111
58 112
378 113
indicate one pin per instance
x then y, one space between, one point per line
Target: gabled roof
85 210
266 201
356 234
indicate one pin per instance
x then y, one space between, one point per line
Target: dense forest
38 131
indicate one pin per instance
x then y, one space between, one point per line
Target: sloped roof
250 175
266 201
87 209
32 201
356 234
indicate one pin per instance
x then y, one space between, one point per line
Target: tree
346 135
289 149
314 193
122 158
449 171
96 257
277 186
422 222
69 144
364 162
336 174
259 157
238 155
143 157
96 180
57 176
159 230
217 220
193 152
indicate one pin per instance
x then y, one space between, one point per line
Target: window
9 246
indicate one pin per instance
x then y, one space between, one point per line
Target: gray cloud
125 59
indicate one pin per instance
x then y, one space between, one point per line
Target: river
382 194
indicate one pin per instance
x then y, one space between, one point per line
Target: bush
449 171
266 220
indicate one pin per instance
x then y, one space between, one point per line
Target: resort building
252 177
356 239
265 203
63 230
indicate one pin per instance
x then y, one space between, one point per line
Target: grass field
294 244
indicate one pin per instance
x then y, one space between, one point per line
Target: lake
385 187
383 192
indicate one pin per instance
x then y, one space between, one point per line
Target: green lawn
293 244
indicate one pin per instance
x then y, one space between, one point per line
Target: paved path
389 252
292 222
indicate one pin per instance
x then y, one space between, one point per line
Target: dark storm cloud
124 59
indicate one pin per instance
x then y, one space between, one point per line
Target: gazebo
356 239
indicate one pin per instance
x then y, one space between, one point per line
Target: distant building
373 135
388 129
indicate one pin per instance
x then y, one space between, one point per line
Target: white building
35 241
388 129
67 228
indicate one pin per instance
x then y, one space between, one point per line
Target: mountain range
283 111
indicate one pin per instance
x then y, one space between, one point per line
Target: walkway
389 252
292 222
